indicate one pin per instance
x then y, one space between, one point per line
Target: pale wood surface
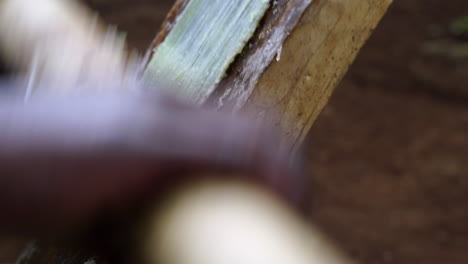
289 83
292 91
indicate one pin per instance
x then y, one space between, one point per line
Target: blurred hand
64 159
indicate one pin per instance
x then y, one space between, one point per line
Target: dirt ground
389 154
390 151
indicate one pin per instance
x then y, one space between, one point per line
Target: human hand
64 159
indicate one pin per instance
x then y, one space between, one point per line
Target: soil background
389 154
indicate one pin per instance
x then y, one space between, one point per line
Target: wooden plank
294 89
288 83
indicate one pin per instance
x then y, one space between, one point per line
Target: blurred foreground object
60 44
284 74
233 222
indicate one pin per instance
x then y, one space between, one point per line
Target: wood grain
296 58
292 92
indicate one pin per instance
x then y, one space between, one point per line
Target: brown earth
390 151
389 154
